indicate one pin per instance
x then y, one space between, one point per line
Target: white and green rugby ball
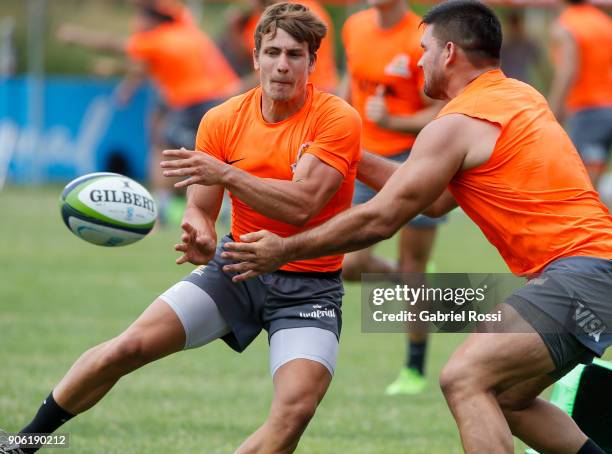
107 209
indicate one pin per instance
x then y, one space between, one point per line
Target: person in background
184 64
582 84
385 85
519 53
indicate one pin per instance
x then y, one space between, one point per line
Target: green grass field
60 296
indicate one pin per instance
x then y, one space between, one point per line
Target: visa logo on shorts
590 323
318 313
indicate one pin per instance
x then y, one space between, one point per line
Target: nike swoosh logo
235 161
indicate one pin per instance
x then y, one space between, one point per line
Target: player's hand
197 247
376 107
259 253
200 168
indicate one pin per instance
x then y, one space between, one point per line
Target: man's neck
277 111
387 16
458 82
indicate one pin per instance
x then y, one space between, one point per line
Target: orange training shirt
388 57
325 126
592 31
184 63
532 199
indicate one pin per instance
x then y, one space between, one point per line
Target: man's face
432 63
284 66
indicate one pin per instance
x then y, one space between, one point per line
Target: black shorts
570 306
272 301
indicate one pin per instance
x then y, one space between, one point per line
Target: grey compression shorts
300 311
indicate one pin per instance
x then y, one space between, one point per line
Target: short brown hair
295 19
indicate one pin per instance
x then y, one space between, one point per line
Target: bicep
318 180
419 181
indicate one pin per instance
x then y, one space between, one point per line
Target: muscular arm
295 201
566 68
199 238
375 170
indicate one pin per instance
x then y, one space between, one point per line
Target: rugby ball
107 209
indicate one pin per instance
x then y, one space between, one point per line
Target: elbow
300 217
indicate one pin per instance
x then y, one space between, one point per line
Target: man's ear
255 59
450 52
312 64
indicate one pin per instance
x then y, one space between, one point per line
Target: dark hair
469 24
295 19
575 2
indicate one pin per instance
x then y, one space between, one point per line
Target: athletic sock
416 356
590 447
49 417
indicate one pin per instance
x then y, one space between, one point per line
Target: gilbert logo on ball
107 209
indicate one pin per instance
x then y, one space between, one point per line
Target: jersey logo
235 161
305 146
399 66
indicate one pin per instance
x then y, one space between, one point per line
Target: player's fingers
380 90
245 276
188 182
180 172
238 256
182 153
181 247
253 236
239 247
176 163
239 267
182 259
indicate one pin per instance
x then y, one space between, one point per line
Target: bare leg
484 365
156 333
299 386
540 424
415 246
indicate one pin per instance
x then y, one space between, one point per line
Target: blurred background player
325 74
582 85
519 52
186 67
384 84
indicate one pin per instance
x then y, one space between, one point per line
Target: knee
294 417
125 352
458 380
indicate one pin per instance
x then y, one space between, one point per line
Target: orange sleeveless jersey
388 57
184 63
532 199
325 126
592 30
325 74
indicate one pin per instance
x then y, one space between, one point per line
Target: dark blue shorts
591 132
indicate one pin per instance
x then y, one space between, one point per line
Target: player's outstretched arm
199 238
293 201
415 186
92 39
374 170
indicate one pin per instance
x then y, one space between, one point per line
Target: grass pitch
60 296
